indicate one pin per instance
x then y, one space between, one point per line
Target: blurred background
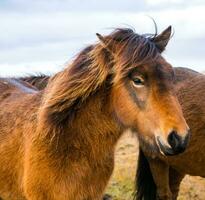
42 35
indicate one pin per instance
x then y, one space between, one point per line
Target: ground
121 183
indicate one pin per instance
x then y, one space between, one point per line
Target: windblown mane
135 48
93 68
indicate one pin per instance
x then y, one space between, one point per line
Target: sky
44 35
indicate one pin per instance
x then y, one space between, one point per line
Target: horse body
168 172
192 160
12 143
16 148
58 143
191 97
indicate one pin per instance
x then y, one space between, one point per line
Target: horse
181 75
58 143
159 177
39 81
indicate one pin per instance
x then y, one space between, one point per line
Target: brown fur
58 143
168 172
181 75
175 177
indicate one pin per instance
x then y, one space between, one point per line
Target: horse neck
95 122
76 110
91 126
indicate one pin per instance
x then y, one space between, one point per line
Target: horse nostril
177 144
174 140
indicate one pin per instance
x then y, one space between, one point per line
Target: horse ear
101 38
163 38
105 42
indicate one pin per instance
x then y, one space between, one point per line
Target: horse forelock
131 49
67 90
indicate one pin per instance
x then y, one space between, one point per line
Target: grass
121 185
121 190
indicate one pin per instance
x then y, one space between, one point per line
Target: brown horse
40 81
58 143
159 177
181 75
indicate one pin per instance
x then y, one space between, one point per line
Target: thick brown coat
58 143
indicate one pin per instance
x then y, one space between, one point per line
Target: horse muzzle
176 144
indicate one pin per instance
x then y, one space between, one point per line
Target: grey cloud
73 5
50 32
30 6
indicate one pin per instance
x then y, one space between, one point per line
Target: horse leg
175 179
160 173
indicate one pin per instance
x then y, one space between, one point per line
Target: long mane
134 47
68 89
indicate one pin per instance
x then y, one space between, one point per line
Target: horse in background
159 177
40 81
58 143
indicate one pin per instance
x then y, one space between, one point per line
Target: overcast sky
42 35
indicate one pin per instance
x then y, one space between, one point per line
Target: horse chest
84 179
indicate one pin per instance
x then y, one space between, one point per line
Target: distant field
121 184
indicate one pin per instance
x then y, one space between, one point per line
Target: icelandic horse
181 74
58 143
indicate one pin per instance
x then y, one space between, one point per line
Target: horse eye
138 81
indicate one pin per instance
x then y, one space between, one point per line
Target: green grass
121 190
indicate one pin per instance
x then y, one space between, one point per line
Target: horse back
16 84
9 86
18 107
